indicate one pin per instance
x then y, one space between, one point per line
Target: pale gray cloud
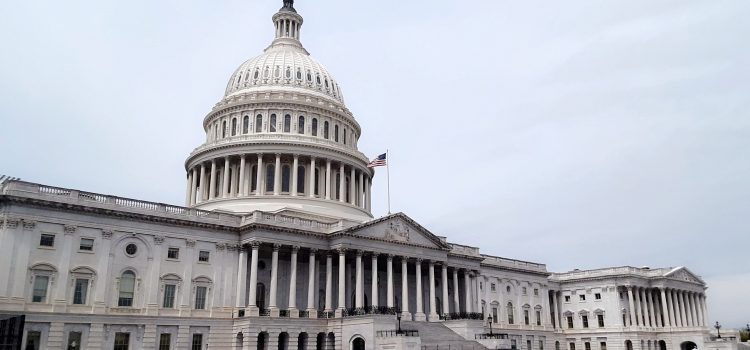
580 133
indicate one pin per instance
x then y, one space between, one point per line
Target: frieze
69 229
221 246
29 224
107 234
11 223
158 240
190 243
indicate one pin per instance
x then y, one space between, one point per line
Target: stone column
312 177
293 281
467 291
631 312
225 184
664 309
405 314
360 190
477 298
456 300
328 179
444 275
329 282
203 194
274 280
59 299
194 187
241 278
433 307
389 271
649 306
554 308
368 201
679 314
277 175
342 279
295 179
691 303
699 305
259 190
242 177
705 309
638 307
253 278
352 190
212 183
189 192
374 268
342 183
311 284
359 286
670 307
419 315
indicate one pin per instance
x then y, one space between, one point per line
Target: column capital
341 250
295 248
419 260
313 251
295 155
255 244
375 254
359 253
276 247
390 257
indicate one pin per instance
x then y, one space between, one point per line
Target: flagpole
388 176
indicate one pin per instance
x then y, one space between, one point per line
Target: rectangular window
598 296
272 123
492 287
538 318
74 341
203 256
197 342
526 317
587 346
582 297
541 345
200 298
536 291
523 290
585 321
47 240
567 298
80 292
513 344
603 345
40 289
528 344
169 292
600 320
173 253
165 341
33 338
494 314
572 346
87 244
122 341
570 322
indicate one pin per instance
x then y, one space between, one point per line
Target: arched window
276 72
301 179
127 289
325 130
314 127
272 123
270 170
258 123
344 135
510 313
285 174
288 73
245 124
336 133
287 123
234 126
256 74
309 76
216 131
301 125
299 74
317 79
224 129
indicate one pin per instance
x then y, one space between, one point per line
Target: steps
436 336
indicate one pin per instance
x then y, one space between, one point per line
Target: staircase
436 336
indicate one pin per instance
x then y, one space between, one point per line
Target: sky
580 134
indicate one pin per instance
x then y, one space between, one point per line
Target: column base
252 311
433 318
274 311
339 313
312 313
293 313
420 316
405 315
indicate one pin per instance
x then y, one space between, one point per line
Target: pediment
683 274
398 228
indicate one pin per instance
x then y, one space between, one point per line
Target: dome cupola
281 138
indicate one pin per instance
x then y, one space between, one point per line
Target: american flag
378 161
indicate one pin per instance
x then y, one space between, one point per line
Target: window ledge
45 247
86 251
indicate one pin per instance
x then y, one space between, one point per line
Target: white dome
285 67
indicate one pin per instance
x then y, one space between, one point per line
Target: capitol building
276 247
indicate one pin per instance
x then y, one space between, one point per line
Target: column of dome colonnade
654 307
281 138
337 262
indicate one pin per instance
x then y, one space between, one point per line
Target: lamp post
398 317
718 327
489 320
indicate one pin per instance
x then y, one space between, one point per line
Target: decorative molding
295 248
276 247
29 224
158 240
190 243
11 222
107 234
69 229
255 244
221 246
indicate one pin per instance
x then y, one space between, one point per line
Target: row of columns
471 283
233 179
666 307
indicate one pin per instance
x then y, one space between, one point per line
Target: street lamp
489 320
398 317
718 327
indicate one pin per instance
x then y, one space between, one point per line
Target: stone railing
27 189
258 217
369 310
462 316
397 333
514 264
281 137
606 272
464 249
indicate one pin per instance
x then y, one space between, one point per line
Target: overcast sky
580 134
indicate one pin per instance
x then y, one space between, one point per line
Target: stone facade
276 247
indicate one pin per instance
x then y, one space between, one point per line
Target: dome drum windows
287 123
272 123
314 127
234 126
258 123
245 124
301 125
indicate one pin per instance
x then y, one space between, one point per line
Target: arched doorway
302 341
240 340
283 341
262 343
320 343
358 344
662 345
331 341
688 345
628 345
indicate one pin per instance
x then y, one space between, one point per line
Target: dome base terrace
277 203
